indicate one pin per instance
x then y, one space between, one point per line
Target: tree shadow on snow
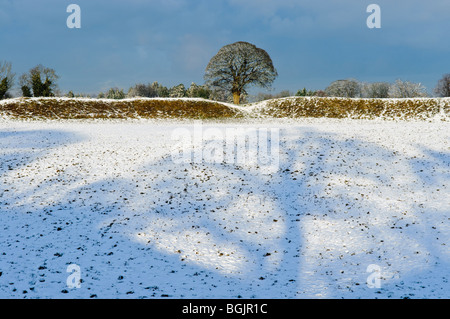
20 147
216 230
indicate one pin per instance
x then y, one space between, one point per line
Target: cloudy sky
311 42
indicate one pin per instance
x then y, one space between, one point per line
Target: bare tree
443 87
142 90
377 90
6 79
405 89
344 88
239 65
25 86
218 94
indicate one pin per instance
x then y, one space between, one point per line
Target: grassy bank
292 107
295 107
77 108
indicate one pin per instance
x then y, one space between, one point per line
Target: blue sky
311 42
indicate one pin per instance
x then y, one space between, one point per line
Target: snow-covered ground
357 209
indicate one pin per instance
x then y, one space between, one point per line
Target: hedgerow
186 108
294 107
74 108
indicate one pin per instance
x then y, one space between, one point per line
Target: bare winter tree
344 88
378 90
6 79
443 87
239 65
405 89
142 90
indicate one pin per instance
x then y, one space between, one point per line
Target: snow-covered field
357 209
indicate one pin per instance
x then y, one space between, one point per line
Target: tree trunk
236 98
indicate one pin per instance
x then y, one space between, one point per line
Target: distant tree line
348 88
41 81
156 89
352 88
38 81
